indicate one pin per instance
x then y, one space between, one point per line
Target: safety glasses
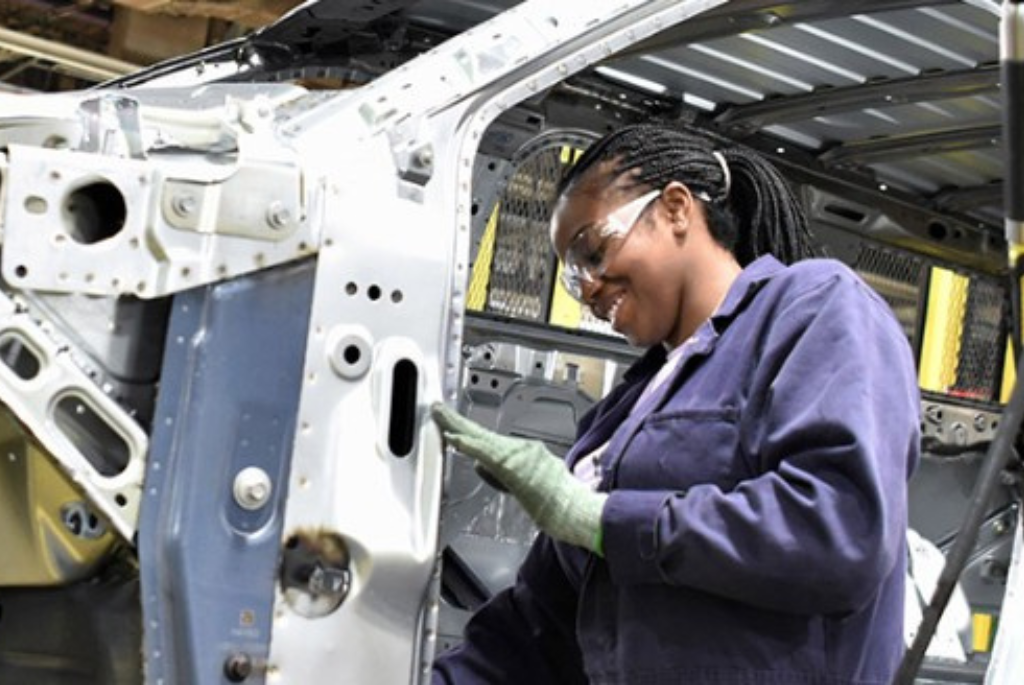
588 253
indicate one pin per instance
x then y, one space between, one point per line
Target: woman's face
625 256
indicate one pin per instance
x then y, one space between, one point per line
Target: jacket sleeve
832 426
525 634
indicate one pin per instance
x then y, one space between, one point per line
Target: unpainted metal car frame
231 293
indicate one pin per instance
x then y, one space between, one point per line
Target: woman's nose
589 289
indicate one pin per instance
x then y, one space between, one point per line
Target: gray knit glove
558 503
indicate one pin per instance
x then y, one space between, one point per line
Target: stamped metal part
951 428
396 237
51 537
329 234
366 467
93 439
147 200
217 473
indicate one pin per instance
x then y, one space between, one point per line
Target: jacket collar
615 409
743 289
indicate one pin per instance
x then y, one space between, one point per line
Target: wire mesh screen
523 265
983 341
521 269
898 278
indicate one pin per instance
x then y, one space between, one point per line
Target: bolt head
238 667
184 205
252 488
278 216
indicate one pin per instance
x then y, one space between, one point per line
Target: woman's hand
558 503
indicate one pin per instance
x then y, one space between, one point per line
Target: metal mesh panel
982 344
951 298
523 265
897 277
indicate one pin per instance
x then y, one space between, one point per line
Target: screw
959 434
278 216
184 205
424 158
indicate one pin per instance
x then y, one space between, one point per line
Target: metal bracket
146 227
157 198
93 439
948 427
109 119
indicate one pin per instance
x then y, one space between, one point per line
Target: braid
751 212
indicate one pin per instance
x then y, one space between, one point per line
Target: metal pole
996 459
1012 54
82 63
1001 450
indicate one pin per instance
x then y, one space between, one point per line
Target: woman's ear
680 203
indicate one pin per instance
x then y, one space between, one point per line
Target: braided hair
749 206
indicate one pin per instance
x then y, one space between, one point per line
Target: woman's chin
631 337
621 325
636 338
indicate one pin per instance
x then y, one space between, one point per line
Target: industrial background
885 114
64 45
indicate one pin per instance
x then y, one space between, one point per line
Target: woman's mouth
613 311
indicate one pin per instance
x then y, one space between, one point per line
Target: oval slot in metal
100 444
402 426
18 356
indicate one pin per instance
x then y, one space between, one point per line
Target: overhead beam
740 16
915 145
83 64
744 120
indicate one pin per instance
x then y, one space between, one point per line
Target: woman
734 512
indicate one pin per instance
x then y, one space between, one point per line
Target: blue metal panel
228 400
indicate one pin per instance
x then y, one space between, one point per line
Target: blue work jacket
755 527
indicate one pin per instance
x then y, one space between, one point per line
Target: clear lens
587 255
